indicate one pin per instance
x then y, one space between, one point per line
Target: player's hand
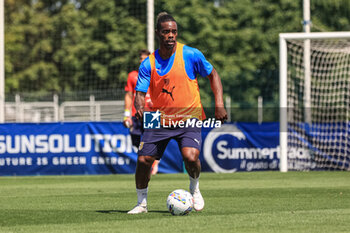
220 114
139 114
127 122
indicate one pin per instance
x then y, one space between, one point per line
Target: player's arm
127 109
140 104
130 85
128 100
141 88
216 86
205 69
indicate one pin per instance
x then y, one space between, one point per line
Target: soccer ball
180 202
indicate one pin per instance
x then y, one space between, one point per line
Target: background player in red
130 121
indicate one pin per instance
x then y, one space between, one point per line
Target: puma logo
169 92
196 140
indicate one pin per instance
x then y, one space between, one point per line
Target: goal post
314 101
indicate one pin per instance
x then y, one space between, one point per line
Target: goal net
315 101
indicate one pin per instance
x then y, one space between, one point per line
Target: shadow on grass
125 211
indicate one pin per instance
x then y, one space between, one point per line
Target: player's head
166 30
144 53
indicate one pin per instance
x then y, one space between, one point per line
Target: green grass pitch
238 202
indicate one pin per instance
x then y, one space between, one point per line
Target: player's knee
145 160
190 157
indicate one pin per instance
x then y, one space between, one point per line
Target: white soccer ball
180 202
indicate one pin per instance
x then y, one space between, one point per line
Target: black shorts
154 141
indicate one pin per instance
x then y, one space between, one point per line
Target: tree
86 45
240 38
65 46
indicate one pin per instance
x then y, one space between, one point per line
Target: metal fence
57 110
53 111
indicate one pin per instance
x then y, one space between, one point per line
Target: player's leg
142 178
191 159
190 142
147 154
143 171
192 164
154 169
135 133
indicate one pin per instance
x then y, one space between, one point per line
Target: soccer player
130 121
170 74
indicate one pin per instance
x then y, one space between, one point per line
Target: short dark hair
144 51
163 17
